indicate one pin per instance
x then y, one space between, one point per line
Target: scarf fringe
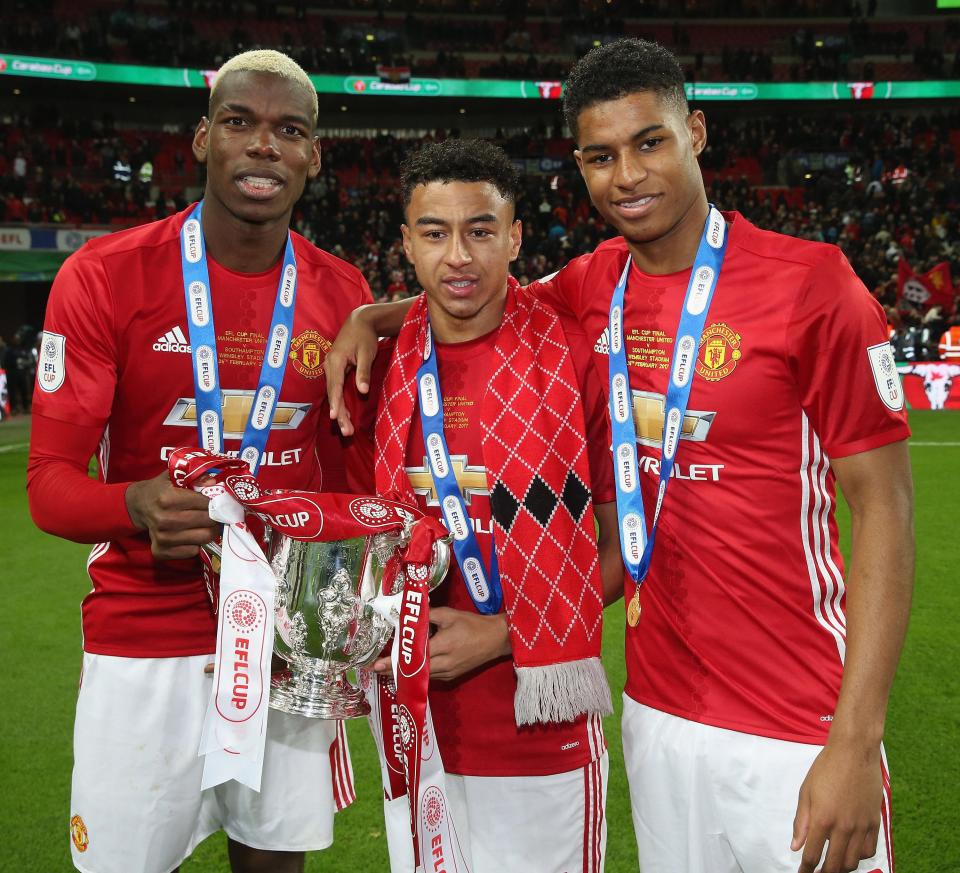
561 692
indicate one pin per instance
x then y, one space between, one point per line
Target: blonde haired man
119 373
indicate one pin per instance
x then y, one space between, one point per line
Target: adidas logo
602 345
173 341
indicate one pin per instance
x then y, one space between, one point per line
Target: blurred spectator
791 173
122 170
834 42
949 346
20 366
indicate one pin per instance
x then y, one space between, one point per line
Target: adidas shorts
136 804
710 800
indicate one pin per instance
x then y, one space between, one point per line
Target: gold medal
633 609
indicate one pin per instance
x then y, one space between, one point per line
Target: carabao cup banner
67 70
934 385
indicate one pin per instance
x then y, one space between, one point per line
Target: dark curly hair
459 160
618 69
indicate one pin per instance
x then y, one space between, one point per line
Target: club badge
719 352
308 352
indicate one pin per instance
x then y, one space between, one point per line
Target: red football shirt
474 714
117 312
742 622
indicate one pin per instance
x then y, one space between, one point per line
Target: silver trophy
324 622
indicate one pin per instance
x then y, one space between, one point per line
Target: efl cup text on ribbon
199 311
438 457
205 373
660 493
631 536
181 467
455 519
298 515
408 631
700 292
717 228
191 233
263 407
682 366
436 849
625 467
289 281
395 732
278 346
621 402
476 579
673 424
211 430
428 394
616 329
241 672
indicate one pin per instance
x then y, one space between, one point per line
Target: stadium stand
881 184
741 41
834 180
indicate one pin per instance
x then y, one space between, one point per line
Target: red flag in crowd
933 288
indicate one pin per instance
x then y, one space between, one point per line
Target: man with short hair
488 432
127 371
756 671
747 373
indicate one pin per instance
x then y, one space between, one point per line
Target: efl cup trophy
331 616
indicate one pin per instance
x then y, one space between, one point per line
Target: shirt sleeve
595 417
366 295
561 290
77 368
76 381
64 500
838 350
363 409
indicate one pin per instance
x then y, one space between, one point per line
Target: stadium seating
790 42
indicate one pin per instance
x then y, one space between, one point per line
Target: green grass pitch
45 581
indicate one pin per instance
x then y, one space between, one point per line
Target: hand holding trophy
328 591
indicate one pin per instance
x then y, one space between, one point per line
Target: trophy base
316 696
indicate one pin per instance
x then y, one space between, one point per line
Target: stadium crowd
879 185
497 40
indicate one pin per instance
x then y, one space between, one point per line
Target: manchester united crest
78 833
719 352
307 353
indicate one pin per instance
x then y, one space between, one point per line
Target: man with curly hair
492 418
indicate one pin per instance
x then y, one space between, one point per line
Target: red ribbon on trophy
312 516
301 515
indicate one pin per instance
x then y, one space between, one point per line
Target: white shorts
518 824
137 806
710 800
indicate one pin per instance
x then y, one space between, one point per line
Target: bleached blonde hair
267 61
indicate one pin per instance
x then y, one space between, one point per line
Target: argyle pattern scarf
535 454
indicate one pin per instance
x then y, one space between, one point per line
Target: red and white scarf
535 454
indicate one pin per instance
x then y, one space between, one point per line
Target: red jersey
116 330
474 714
742 622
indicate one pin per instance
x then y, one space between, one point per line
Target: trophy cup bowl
324 622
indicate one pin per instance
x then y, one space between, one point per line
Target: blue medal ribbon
635 545
203 343
486 593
